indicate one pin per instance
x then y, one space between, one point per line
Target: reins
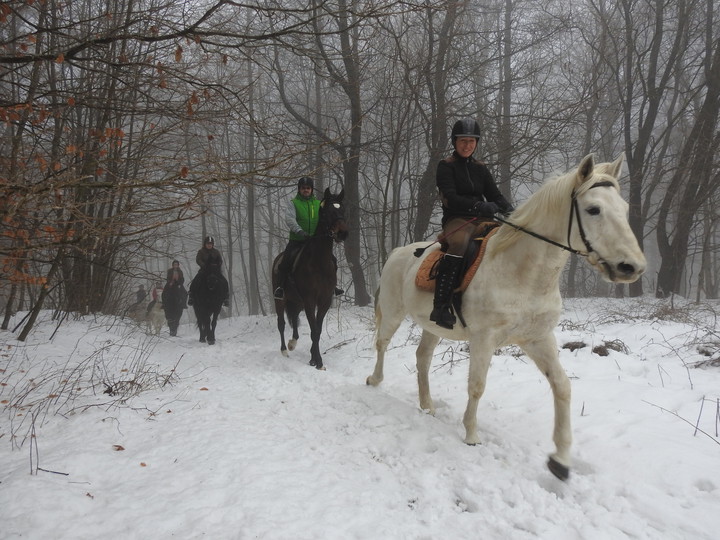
574 213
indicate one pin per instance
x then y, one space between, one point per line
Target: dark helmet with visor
467 127
209 240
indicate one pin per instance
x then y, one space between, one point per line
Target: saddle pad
425 277
423 281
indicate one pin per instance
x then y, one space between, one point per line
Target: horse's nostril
626 269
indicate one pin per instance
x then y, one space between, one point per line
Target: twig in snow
684 420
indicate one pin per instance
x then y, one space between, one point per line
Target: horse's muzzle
622 272
340 232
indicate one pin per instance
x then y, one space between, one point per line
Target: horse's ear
341 195
585 169
616 166
327 193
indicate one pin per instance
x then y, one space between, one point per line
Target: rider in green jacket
301 218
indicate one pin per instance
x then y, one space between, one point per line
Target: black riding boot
447 274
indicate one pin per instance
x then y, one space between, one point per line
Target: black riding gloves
485 209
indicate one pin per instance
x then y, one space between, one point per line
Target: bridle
331 221
574 214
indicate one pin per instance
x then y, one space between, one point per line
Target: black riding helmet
467 127
209 239
306 181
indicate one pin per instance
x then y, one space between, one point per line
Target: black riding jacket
208 258
462 182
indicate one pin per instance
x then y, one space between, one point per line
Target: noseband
574 213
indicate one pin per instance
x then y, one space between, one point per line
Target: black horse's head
332 216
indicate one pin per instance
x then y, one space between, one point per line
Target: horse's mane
540 211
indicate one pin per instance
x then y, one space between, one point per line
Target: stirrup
339 291
279 293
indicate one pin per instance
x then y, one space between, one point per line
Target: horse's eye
593 210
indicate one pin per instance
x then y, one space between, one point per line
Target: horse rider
175 278
140 295
301 217
208 259
467 191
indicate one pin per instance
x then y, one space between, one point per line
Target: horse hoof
202 340
211 342
558 469
285 353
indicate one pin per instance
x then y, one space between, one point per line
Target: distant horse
173 301
515 295
209 289
311 283
155 318
150 316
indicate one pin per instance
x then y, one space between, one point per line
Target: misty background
133 128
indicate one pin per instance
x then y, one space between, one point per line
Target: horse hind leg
423 356
385 328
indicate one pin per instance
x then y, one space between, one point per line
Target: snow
235 441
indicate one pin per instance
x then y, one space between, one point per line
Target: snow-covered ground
234 441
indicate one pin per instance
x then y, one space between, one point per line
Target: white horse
155 318
515 296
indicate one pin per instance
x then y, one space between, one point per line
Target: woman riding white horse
515 296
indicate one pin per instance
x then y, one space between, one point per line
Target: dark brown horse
209 289
310 285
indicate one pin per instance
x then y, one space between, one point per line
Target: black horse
173 301
209 290
310 285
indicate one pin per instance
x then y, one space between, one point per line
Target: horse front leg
315 324
202 325
211 328
480 357
545 355
423 357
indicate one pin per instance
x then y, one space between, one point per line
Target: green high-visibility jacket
306 216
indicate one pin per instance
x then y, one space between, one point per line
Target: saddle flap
425 277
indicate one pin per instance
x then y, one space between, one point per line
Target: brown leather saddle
425 277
